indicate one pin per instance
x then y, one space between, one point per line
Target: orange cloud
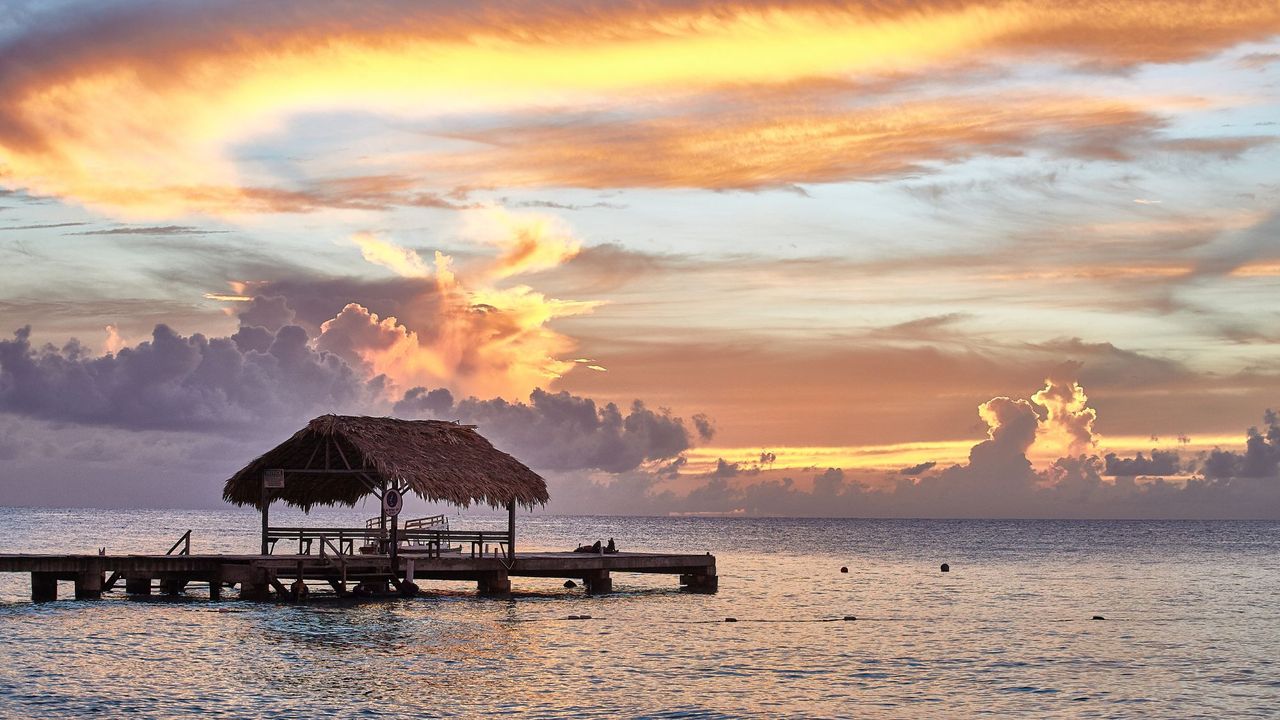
134 112
479 339
529 242
771 148
1067 425
402 261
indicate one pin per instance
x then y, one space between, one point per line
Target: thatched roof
335 457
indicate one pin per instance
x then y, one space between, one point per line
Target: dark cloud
918 469
420 401
45 226
315 300
1235 249
725 469
1161 462
925 328
1261 458
552 205
1258 60
559 431
1224 148
270 312
151 230
232 385
705 427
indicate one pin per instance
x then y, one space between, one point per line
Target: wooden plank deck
262 576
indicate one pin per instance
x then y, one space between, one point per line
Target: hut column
266 502
511 530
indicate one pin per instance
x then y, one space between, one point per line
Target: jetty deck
285 577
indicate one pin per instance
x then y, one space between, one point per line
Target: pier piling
494 584
598 583
137 585
89 584
44 586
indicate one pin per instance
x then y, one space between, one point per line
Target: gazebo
342 459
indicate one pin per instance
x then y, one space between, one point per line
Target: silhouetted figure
610 548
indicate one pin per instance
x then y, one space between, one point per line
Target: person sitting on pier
610 548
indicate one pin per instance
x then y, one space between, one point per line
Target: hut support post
511 530
395 542
265 504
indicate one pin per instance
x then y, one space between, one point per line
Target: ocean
1191 626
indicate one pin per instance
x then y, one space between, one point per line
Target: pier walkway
284 577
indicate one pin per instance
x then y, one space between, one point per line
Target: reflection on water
1191 627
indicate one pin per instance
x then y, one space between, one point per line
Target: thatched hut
341 459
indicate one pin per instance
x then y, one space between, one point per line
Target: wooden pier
284 577
340 460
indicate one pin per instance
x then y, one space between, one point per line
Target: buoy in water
946 567
570 584
731 619
1098 617
850 617
844 569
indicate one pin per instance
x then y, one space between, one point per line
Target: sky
780 257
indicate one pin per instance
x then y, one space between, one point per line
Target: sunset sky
936 258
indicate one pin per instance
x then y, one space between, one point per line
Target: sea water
1191 626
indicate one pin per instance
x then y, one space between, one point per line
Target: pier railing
184 542
353 541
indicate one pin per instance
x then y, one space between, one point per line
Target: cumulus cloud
560 431
1161 462
1068 419
460 328
231 384
999 479
270 312
918 468
1261 458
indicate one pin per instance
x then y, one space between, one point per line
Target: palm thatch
338 459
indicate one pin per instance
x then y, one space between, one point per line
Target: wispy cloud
150 230
159 94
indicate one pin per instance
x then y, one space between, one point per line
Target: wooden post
511 530
395 542
266 502
382 517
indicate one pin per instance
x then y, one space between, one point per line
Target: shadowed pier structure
340 460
